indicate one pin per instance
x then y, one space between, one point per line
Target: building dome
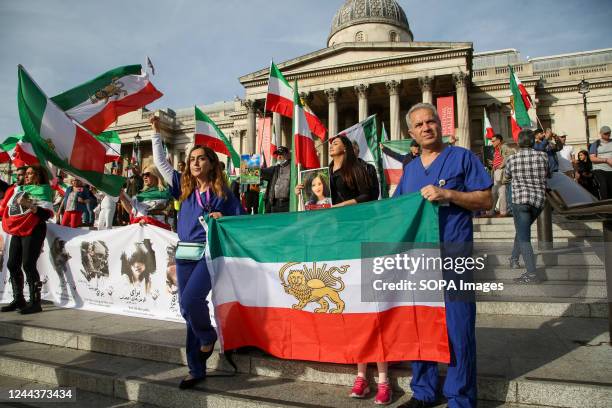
369 21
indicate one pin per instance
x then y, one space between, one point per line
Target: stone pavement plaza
111 359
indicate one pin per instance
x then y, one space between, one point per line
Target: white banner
128 271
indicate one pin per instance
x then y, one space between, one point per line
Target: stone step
534 306
548 290
556 234
521 359
543 259
559 273
556 221
81 399
556 228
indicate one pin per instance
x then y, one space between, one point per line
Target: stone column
394 109
175 157
426 84
332 122
250 105
362 95
462 80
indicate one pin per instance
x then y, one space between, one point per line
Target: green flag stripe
10 142
77 95
325 235
109 137
520 111
275 72
31 102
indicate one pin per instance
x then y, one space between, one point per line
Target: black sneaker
416 403
528 278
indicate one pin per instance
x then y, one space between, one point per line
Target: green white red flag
488 132
303 143
304 301
366 135
207 133
58 139
280 95
280 100
17 151
393 167
98 103
112 142
521 100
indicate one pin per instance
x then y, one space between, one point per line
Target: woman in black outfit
584 173
349 181
25 211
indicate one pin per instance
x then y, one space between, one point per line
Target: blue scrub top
455 168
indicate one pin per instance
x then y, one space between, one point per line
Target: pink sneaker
384 394
360 388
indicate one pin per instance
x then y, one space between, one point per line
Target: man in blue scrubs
456 179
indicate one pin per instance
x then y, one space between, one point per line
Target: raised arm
159 158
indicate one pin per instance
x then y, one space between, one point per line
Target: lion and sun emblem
314 285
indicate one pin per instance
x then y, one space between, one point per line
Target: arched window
359 37
393 36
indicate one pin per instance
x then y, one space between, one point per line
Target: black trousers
24 251
604 179
280 206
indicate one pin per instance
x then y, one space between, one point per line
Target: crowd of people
442 173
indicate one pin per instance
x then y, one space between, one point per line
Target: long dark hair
41 174
214 174
324 181
586 163
351 170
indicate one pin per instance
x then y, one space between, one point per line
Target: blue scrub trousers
194 285
460 384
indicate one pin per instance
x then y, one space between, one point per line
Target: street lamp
583 89
137 140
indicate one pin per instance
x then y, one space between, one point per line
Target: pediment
344 55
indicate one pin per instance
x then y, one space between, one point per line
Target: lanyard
199 198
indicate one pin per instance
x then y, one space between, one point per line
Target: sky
201 47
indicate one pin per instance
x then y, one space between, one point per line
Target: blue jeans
194 285
509 197
524 216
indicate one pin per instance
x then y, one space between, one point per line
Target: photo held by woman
345 203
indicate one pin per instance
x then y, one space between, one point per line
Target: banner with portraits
127 271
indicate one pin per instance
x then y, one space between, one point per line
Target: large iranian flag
298 293
56 138
207 133
392 164
98 103
112 142
17 151
521 99
280 100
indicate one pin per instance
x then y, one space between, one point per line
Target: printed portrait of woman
318 191
139 266
94 258
171 284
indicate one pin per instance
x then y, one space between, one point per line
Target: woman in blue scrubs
202 190
454 178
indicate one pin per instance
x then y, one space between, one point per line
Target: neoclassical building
372 64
